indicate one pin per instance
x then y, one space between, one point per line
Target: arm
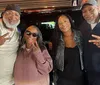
43 61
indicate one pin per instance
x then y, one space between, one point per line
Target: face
90 13
11 18
64 23
31 35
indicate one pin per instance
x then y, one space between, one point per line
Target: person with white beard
9 42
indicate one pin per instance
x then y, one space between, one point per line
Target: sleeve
43 62
0 27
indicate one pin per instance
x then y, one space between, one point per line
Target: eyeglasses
29 33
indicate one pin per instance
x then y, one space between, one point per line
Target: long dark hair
39 39
58 33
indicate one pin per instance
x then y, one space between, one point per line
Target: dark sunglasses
33 34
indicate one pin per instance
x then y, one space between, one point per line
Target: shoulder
77 32
21 48
77 35
44 50
84 25
1 22
1 26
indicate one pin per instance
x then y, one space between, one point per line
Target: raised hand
35 46
3 38
96 41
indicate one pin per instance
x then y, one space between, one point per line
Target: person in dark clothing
68 63
89 28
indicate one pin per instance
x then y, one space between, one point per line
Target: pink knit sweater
32 68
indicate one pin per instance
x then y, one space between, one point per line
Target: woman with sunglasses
33 63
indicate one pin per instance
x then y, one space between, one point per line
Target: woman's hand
35 46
